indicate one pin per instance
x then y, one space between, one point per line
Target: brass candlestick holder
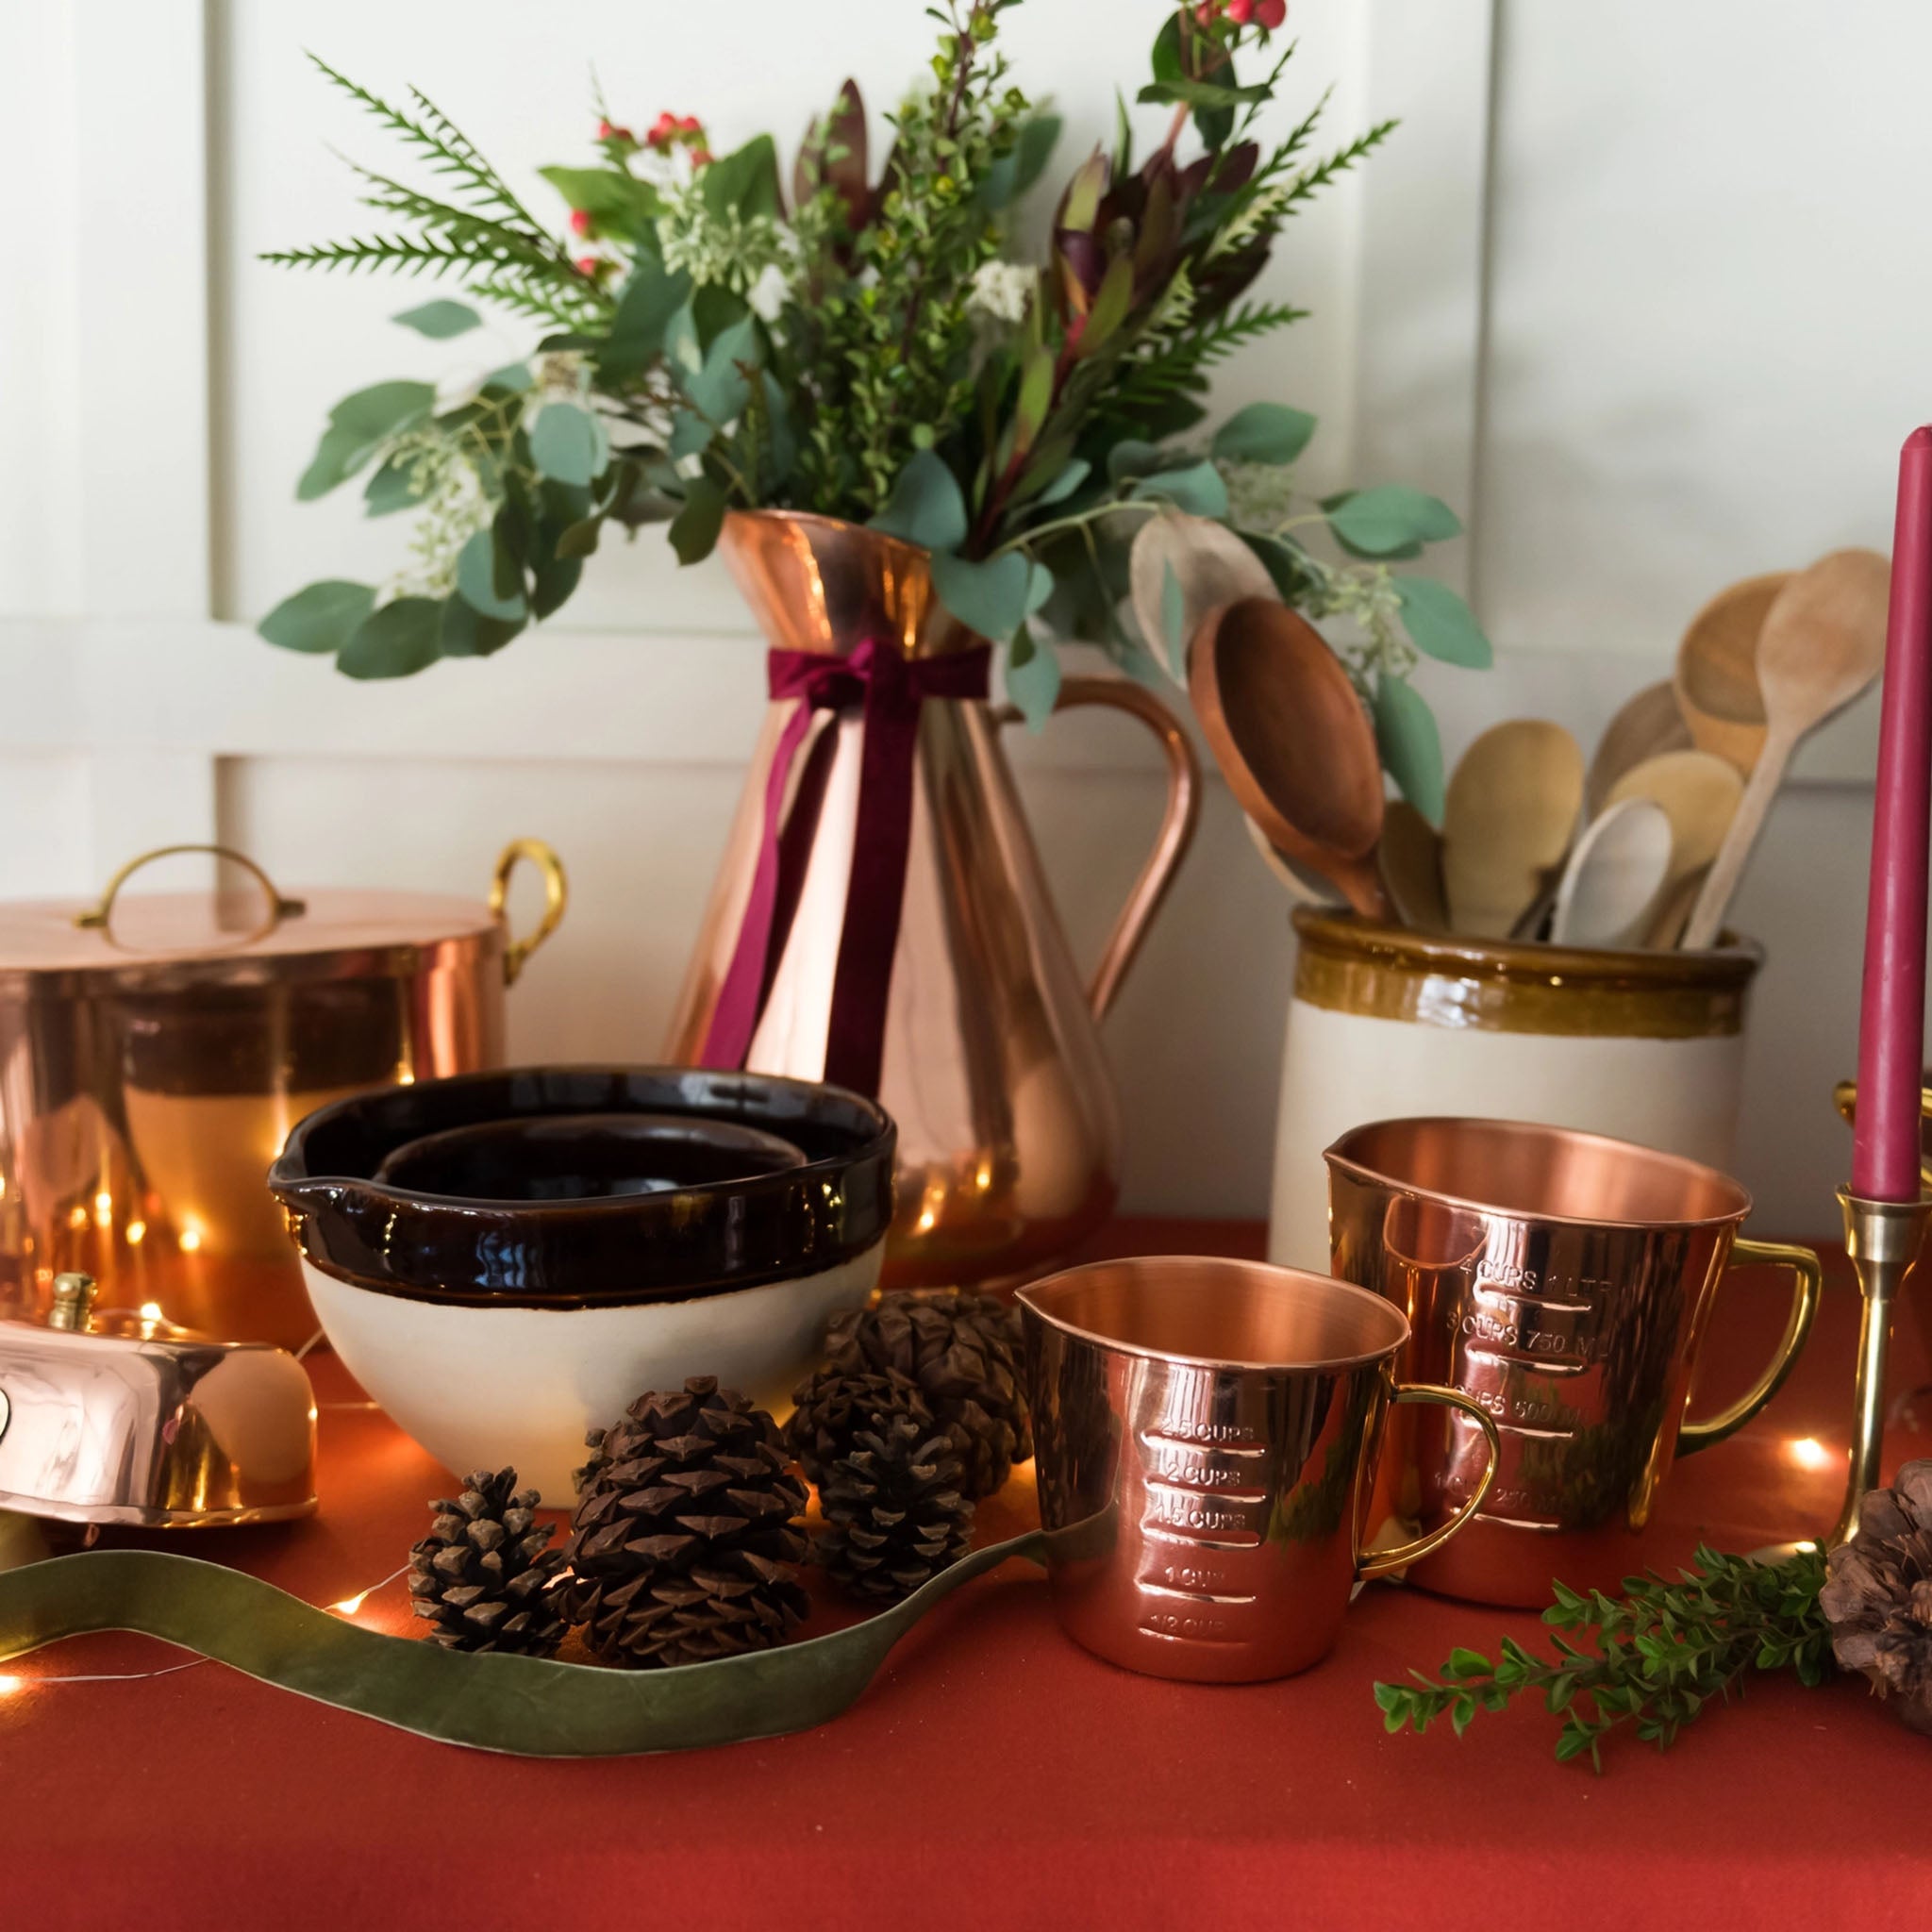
1884 1239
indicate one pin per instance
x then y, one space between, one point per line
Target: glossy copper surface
1008 1129
156 1048
119 1419
1563 1282
1206 1431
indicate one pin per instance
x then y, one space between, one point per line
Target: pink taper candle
1892 1018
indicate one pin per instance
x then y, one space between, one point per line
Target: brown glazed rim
1223 1264
610 1252
1339 1160
1352 965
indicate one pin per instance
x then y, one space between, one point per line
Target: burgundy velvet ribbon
890 687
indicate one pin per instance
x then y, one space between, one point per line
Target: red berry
701 157
580 221
1271 13
689 124
590 265
1240 11
664 129
1204 13
604 130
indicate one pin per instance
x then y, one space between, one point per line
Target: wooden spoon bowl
1292 741
1716 681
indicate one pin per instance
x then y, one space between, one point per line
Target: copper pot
1008 1129
156 1048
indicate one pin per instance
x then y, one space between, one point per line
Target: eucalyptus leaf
383 409
390 488
1131 458
402 638
1410 746
1033 678
1197 489
440 320
926 507
1263 433
990 597
581 538
644 309
694 529
1390 519
320 617
515 376
479 566
745 182
1440 624
569 444
1074 473
467 633
720 389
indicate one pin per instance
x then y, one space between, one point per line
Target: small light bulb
104 1209
77 1217
10 1685
190 1238
1807 1452
350 1604
150 1312
135 1231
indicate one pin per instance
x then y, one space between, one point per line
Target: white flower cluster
1002 291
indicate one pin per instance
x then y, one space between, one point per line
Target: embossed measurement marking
1229 1439
1178 1626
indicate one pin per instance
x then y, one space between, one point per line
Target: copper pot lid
243 931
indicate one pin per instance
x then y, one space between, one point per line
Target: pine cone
1877 1594
834 1404
894 1517
962 1350
483 1575
686 1529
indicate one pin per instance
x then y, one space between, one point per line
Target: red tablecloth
994 1776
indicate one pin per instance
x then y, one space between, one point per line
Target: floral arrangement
866 347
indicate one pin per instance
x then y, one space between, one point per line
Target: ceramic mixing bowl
496 1323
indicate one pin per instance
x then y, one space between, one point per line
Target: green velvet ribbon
527 1707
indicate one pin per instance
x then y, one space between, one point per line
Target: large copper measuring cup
1206 1432
1563 1281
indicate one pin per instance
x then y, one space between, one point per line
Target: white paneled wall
1639 290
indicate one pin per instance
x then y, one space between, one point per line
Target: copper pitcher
992 1067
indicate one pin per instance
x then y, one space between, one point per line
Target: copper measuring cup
1206 1432
1563 1281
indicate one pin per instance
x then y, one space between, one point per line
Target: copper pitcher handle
1381 1561
517 953
1808 1283
100 918
1177 823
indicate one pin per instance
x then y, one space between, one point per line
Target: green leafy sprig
1664 1651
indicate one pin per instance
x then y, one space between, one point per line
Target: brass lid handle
278 907
556 899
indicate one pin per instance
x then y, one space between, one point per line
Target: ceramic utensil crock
1206 1432
1648 1046
1563 1282
157 1048
568 1246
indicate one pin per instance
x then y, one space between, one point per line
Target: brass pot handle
1807 1284
516 954
100 918
1381 1561
1177 823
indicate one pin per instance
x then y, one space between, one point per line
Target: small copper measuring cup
1207 1432
1564 1282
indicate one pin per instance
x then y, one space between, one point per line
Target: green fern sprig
1179 368
1310 181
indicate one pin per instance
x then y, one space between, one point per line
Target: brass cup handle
516 954
278 906
1807 1284
1381 1561
1177 823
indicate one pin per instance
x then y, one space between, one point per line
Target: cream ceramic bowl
1646 1046
498 1330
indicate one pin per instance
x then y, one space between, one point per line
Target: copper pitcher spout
991 1062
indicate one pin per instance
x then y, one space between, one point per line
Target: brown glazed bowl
498 1323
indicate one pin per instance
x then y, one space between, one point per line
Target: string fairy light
12 1684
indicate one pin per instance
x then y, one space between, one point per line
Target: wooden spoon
1507 821
1410 856
1649 723
1292 741
1211 566
1610 887
1716 683
1823 643
1699 794
1304 887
